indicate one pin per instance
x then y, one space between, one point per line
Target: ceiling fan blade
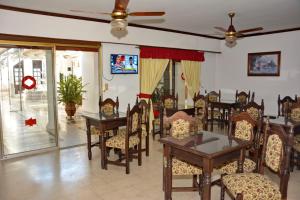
220 29
147 13
251 29
90 12
121 5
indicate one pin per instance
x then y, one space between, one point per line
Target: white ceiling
197 16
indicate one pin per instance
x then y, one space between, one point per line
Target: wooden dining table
206 150
103 123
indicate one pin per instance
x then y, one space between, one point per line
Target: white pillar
50 91
89 66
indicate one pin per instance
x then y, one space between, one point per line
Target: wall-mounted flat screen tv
124 64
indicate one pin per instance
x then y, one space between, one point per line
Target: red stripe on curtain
167 53
143 95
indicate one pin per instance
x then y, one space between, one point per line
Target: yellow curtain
151 73
191 71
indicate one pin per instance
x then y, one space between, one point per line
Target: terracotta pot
70 109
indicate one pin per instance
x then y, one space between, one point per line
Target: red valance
145 96
167 53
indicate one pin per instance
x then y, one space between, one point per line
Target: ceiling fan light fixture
230 38
118 24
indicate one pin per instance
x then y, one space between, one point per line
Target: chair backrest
295 112
213 96
201 111
285 104
242 97
242 126
254 109
134 121
252 96
108 106
170 101
182 124
276 153
145 106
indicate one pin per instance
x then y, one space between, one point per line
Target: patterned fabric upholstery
231 168
253 186
182 168
295 114
135 121
118 141
296 145
217 114
243 130
96 131
156 121
242 99
253 112
180 129
274 152
107 109
200 103
285 106
169 103
213 98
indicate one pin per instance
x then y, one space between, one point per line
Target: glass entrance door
27 99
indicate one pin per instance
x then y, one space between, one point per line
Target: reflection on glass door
27 96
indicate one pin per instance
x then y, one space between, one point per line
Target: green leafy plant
70 89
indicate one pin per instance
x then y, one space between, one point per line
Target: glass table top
280 120
204 142
102 116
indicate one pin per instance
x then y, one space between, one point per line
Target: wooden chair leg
222 190
147 145
292 160
298 160
140 154
127 161
195 183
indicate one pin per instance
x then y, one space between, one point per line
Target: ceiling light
119 24
230 38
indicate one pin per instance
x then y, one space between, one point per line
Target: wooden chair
254 109
217 114
182 125
129 143
276 156
295 117
252 96
242 126
168 101
107 107
201 110
242 97
145 122
285 104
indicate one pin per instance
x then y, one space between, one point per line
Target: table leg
206 184
89 139
168 173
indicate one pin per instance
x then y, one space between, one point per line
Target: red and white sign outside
28 82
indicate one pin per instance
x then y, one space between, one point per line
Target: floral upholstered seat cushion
200 103
96 131
253 186
243 130
182 168
118 141
295 114
231 168
180 129
216 114
253 112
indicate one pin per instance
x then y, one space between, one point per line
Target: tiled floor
69 175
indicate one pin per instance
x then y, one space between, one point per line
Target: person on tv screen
131 66
119 65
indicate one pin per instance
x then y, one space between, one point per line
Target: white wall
56 27
231 73
125 86
208 72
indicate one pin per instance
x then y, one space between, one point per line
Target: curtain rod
138 46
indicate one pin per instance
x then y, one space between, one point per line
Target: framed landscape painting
264 63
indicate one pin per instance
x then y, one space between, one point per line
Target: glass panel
27 111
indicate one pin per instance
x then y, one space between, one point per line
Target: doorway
27 106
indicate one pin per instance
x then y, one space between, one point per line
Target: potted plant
70 91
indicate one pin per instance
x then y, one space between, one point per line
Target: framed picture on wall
264 63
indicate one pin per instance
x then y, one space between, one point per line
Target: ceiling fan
231 34
119 14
